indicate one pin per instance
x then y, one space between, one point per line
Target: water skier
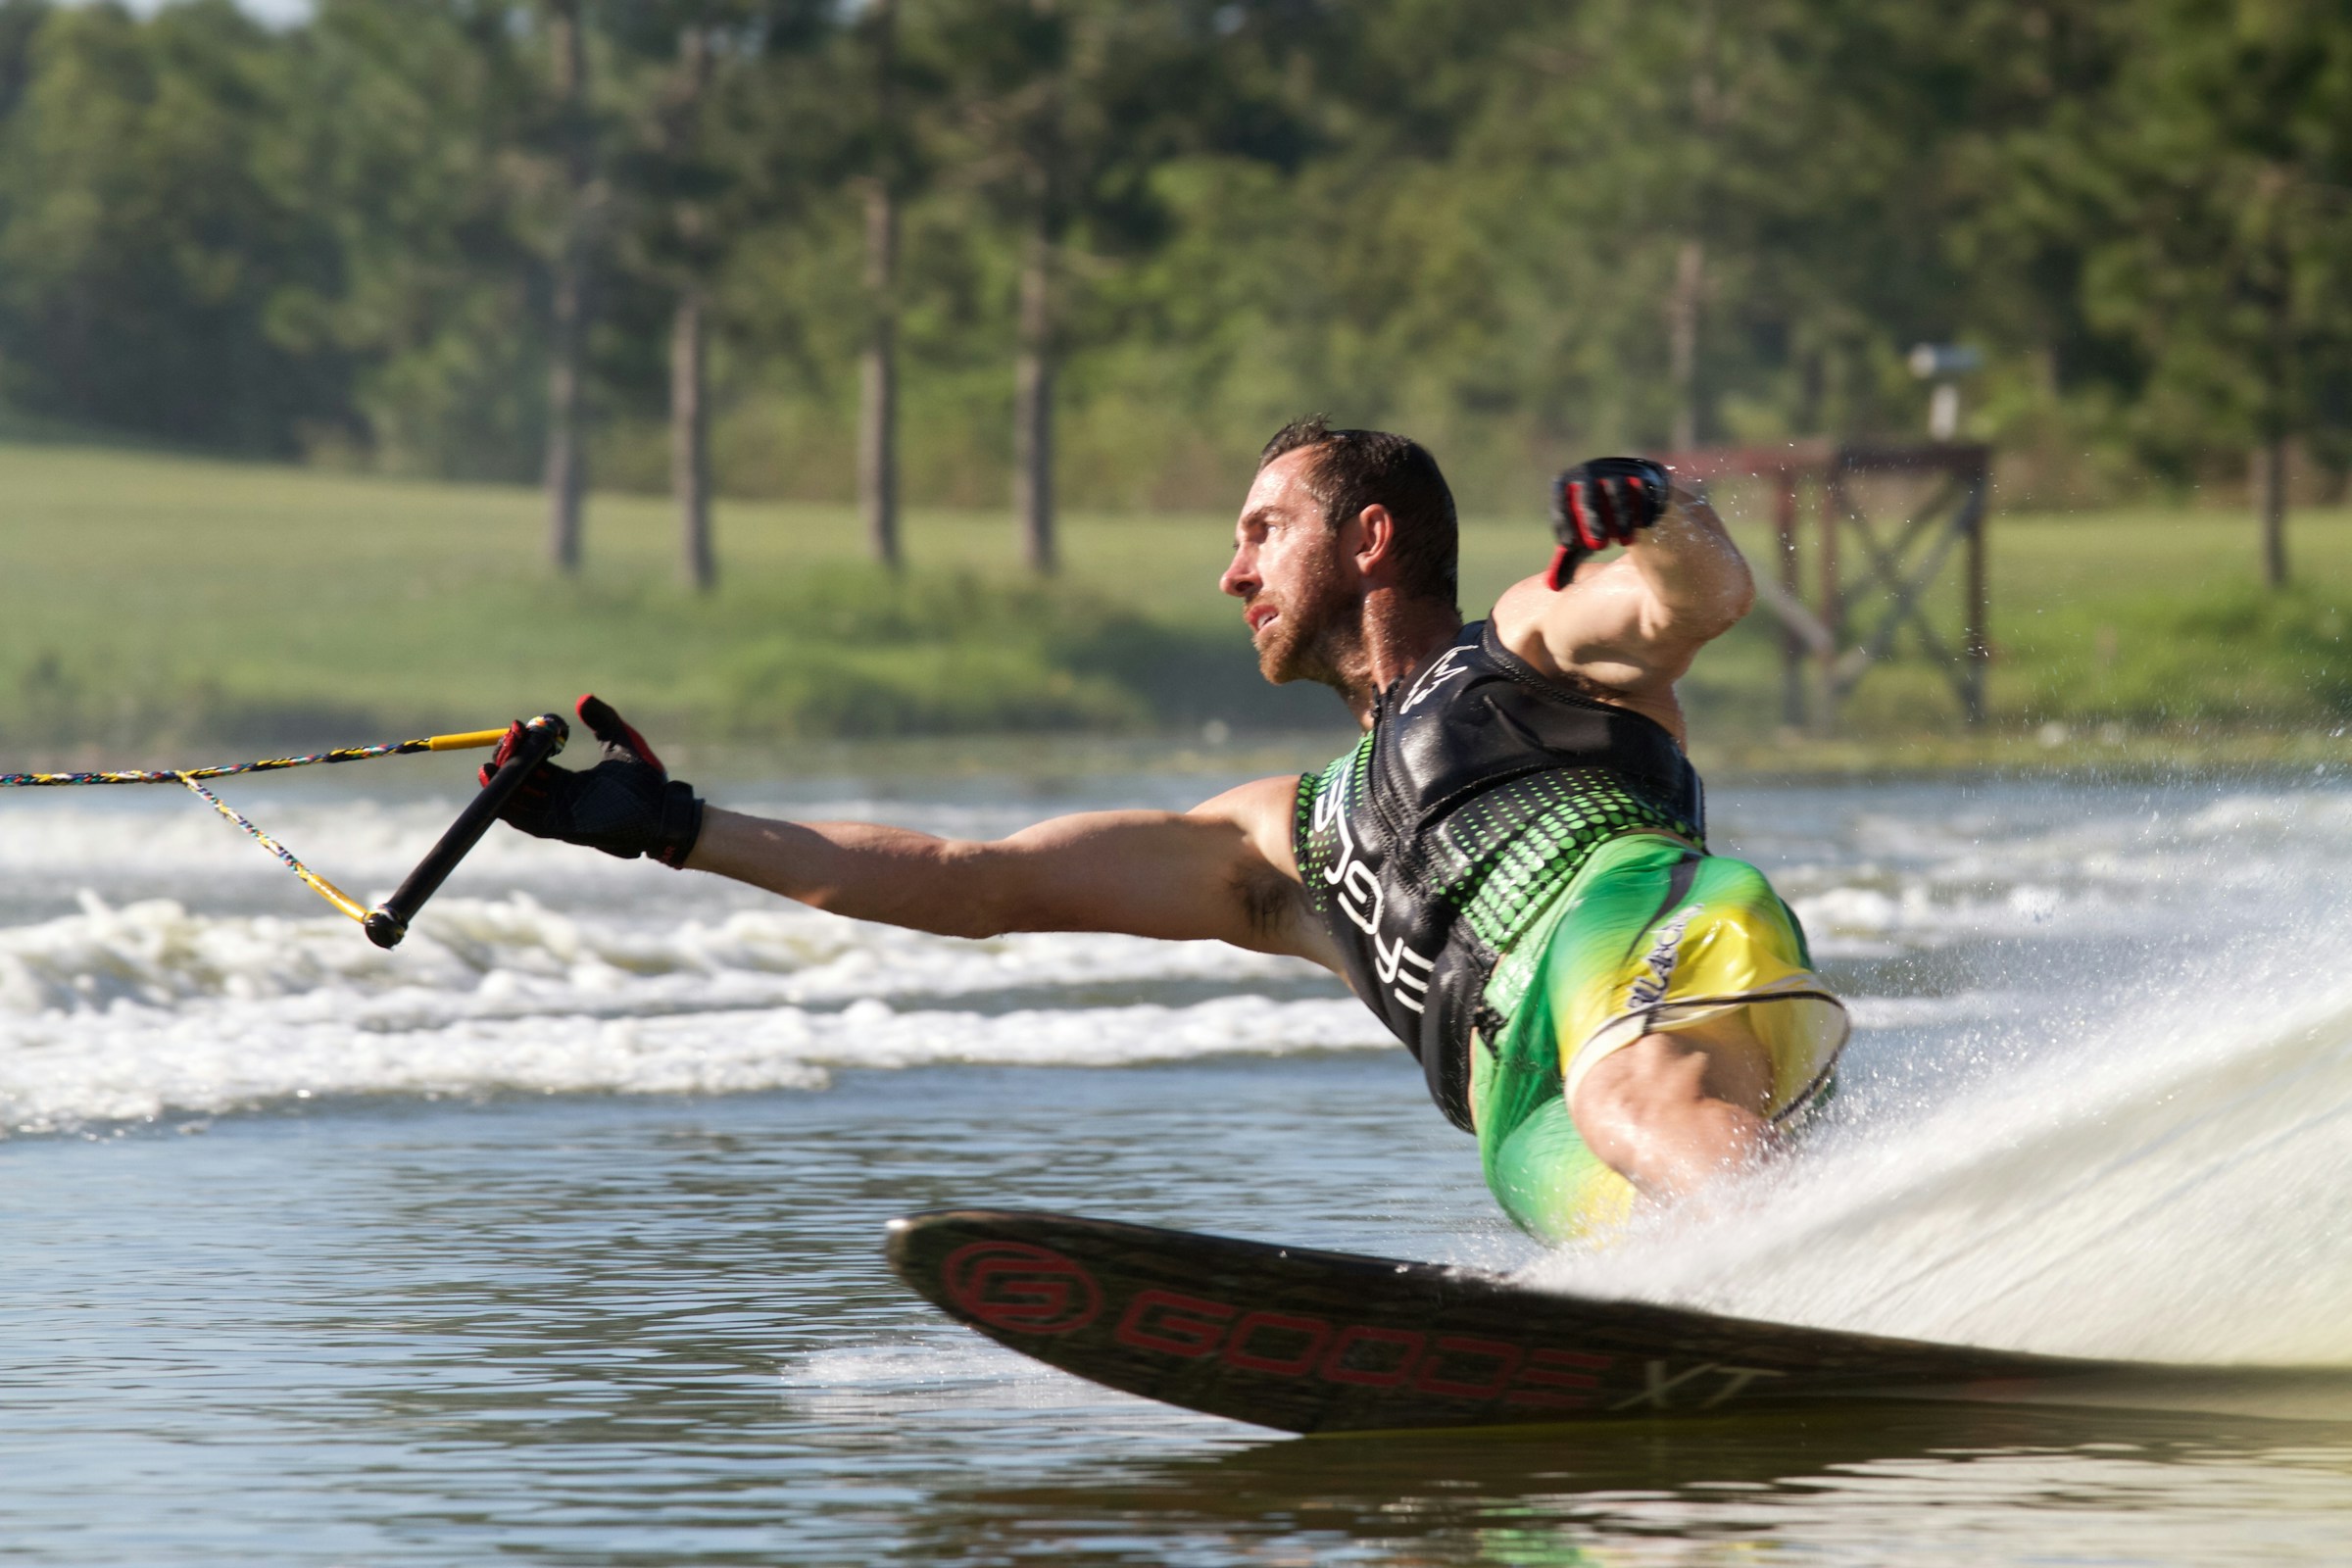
1510 869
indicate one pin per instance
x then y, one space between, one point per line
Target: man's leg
1575 1128
1676 1112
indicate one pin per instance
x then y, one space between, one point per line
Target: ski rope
466 741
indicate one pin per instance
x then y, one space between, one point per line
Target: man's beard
1317 638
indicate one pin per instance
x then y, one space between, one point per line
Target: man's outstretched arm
1222 872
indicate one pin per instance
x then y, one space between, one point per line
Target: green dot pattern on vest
1503 858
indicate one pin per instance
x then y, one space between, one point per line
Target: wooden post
1833 514
1826 647
1793 648
1833 596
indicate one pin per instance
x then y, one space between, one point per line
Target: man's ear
1376 541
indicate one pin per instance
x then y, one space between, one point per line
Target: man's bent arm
1634 624
1221 871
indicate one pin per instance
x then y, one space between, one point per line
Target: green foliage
413 139
146 238
1525 232
2199 202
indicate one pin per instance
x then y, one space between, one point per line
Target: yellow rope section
319 884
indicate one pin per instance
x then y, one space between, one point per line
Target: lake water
556 1235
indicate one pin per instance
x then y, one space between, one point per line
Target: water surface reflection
1900 1485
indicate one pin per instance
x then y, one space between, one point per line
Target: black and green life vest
1431 847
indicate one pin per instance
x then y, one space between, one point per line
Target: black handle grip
389 922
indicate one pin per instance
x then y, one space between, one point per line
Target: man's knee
1670 1110
1719 1059
1655 1075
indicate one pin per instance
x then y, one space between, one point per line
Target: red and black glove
626 805
1602 503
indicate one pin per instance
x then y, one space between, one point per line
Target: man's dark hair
1357 468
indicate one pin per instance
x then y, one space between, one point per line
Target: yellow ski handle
464 741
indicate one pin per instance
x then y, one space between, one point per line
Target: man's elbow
1737 598
1703 617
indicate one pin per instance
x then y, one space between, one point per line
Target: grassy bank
151 602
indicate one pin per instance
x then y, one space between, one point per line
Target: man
1510 869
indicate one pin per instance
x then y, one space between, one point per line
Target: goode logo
1362 1355
1022 1287
1025 1289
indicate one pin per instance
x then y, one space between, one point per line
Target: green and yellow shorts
1650 937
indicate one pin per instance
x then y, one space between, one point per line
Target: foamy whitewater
2099 1100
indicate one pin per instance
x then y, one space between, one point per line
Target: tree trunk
878 405
566 467
2277 425
689 330
1682 341
878 411
1033 403
2269 486
689 437
566 471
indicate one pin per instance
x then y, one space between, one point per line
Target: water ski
1308 1340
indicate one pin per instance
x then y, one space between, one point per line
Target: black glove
1602 503
626 805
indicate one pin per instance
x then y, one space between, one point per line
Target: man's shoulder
1268 885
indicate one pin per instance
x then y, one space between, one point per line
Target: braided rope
466 741
266 765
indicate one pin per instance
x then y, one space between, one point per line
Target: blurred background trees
981 251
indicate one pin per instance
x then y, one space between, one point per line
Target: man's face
1295 575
